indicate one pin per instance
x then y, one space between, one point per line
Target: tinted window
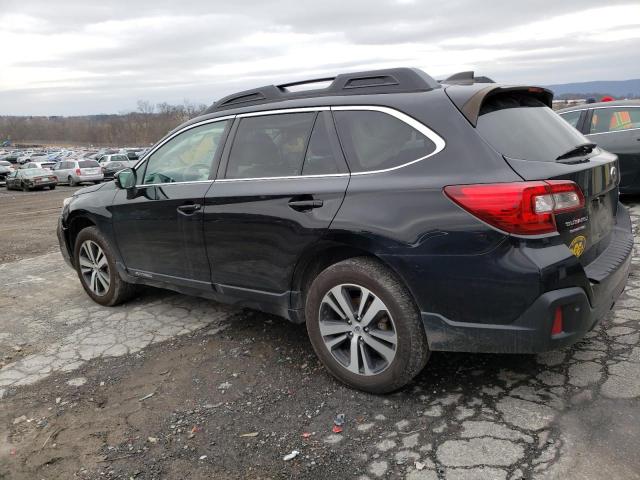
521 127
320 159
119 158
571 118
377 141
32 172
270 146
187 157
88 164
614 119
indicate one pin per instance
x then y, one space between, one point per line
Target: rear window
377 141
88 164
522 127
33 172
119 158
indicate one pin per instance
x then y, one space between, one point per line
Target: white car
75 171
48 165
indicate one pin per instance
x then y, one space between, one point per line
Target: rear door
282 182
539 145
617 129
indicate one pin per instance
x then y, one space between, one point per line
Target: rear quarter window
375 140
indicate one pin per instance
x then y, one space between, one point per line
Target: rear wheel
25 188
96 268
365 327
52 187
72 182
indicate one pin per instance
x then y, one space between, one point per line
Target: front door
284 181
158 226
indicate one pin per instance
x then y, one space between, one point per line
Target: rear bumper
531 331
89 178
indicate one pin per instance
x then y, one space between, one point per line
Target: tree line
146 125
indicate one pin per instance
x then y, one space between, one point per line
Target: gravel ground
169 386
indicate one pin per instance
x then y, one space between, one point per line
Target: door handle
302 205
189 209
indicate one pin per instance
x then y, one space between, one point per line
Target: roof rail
465 78
392 80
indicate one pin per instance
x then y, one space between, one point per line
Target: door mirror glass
126 178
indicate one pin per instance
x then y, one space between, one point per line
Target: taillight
78 171
523 208
557 327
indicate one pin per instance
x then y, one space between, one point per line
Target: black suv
394 214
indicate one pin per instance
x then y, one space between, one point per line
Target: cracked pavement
571 413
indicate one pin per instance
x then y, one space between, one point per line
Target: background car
31 179
109 169
116 157
614 126
5 169
74 171
48 165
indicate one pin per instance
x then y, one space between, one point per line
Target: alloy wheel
94 267
358 329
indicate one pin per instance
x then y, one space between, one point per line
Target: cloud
88 57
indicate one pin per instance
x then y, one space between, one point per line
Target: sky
76 57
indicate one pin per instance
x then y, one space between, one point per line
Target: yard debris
306 435
152 440
420 465
224 386
20 419
203 457
291 456
147 396
250 434
338 423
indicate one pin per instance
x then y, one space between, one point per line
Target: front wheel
72 182
365 327
96 268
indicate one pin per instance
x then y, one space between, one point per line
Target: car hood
94 188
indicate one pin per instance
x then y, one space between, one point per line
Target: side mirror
126 179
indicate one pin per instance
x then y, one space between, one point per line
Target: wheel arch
329 252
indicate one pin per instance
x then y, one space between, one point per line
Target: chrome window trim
290 177
572 111
438 141
175 134
281 111
612 131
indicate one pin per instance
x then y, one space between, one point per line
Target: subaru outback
394 214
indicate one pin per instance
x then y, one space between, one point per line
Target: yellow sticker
578 245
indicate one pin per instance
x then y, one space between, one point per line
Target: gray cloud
110 54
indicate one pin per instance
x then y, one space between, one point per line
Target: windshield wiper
578 151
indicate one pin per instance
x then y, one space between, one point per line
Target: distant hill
620 88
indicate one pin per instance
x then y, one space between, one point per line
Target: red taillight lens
78 171
523 208
557 327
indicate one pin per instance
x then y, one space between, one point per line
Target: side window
377 141
571 118
270 145
320 158
614 119
186 157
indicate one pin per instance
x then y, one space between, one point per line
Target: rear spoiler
469 99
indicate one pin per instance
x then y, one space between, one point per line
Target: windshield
521 127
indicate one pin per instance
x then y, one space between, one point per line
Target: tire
72 182
400 317
25 188
52 187
118 290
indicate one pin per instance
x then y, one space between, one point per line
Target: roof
615 103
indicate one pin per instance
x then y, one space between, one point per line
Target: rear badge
578 245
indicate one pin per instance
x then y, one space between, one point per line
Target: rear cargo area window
377 141
519 126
